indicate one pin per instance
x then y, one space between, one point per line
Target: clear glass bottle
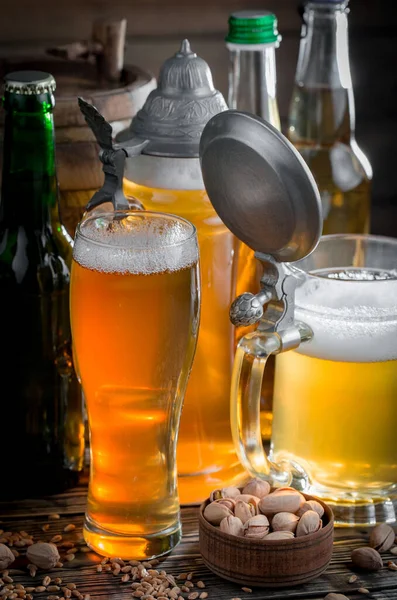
44 400
252 41
322 118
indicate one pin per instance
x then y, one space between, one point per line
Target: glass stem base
131 547
365 515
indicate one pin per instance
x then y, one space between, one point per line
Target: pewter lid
174 114
29 83
260 186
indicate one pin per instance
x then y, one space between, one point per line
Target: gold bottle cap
29 83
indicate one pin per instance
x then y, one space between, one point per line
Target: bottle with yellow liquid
166 177
322 119
252 41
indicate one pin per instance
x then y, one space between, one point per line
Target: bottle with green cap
252 40
41 400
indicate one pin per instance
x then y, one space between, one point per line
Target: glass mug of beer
335 395
135 302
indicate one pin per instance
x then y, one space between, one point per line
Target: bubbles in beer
352 312
141 243
356 274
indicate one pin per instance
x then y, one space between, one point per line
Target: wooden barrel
79 169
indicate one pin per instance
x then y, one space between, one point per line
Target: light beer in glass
336 395
135 317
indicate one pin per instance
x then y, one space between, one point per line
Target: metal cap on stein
174 114
260 186
264 192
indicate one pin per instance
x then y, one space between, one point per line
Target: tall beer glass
335 396
135 317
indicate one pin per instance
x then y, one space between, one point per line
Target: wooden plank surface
31 515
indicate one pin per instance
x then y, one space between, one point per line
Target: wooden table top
32 515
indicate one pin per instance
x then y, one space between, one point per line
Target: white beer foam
140 244
354 321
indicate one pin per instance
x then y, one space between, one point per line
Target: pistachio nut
229 502
215 512
6 557
308 523
284 521
280 535
227 492
286 500
289 489
230 492
257 487
216 495
250 499
244 510
256 527
367 558
232 525
311 505
382 537
43 555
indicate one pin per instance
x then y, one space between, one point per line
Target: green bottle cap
253 27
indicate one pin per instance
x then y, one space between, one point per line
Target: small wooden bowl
272 563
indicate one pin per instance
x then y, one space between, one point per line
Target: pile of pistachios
257 513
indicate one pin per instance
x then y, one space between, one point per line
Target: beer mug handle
252 353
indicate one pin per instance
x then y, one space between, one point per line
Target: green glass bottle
41 399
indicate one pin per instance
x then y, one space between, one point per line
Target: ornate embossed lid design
175 113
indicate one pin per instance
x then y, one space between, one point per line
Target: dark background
156 27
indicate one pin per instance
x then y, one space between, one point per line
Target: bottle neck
29 184
322 107
324 50
253 80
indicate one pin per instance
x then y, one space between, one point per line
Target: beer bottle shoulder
32 261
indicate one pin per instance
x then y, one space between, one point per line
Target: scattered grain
125 578
391 565
203 595
200 584
363 591
70 557
55 539
193 596
53 588
40 589
69 527
353 578
247 589
54 517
